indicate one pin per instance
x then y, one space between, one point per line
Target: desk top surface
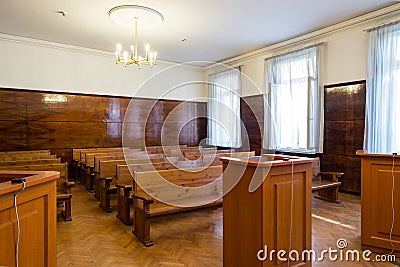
33 178
268 160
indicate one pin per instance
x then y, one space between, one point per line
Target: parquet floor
96 238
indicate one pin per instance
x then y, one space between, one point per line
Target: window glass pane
224 109
293 101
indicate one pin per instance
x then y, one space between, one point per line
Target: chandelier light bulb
147 47
119 47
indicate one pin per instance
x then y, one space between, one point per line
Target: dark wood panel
335 137
12 105
61 122
333 162
344 132
115 108
64 107
252 116
66 134
354 136
139 111
13 135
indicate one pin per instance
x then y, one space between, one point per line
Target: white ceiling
215 29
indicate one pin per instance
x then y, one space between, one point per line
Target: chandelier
126 14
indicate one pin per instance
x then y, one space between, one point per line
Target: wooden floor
96 238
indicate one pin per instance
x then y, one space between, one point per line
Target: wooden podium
254 220
376 202
37 215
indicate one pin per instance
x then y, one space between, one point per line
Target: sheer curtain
382 113
224 109
294 101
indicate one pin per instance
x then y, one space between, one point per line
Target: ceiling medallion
128 15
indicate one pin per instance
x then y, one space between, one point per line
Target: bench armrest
145 200
105 178
125 188
70 184
107 181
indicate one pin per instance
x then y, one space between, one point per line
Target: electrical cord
391 228
291 212
18 225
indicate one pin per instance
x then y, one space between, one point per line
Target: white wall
35 64
345 54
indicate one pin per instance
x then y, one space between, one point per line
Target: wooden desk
376 202
38 218
262 218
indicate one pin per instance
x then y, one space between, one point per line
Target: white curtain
294 101
224 109
382 113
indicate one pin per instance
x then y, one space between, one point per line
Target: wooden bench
64 194
108 173
26 157
135 155
166 150
326 184
25 152
96 171
83 169
90 166
111 156
146 207
29 162
124 183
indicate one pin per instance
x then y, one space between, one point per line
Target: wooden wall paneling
115 109
12 106
252 115
69 108
344 132
112 135
13 135
335 137
33 119
65 134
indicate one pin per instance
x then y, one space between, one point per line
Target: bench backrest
108 168
195 154
26 152
192 177
89 157
124 176
29 162
97 160
83 152
26 157
166 150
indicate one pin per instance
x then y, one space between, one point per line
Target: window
382 113
294 102
224 109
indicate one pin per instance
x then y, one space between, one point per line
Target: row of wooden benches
115 177
42 160
112 174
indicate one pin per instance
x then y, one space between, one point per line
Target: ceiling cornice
80 49
387 11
